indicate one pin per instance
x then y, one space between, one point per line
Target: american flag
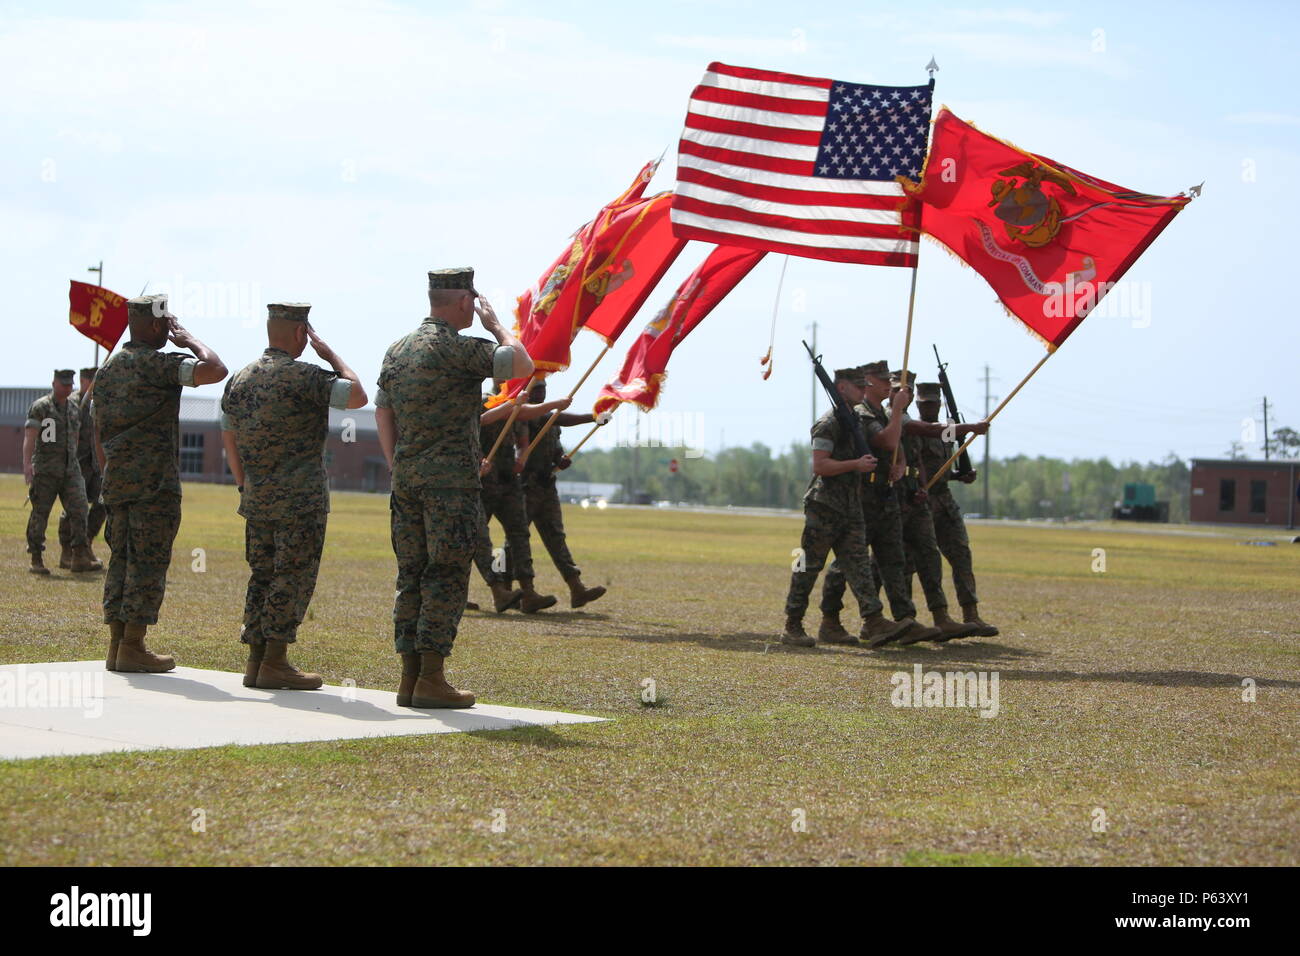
803 166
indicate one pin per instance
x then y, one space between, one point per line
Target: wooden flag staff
1001 405
556 414
505 429
931 68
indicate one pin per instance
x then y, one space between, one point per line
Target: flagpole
1001 405
930 68
577 447
505 429
100 270
556 414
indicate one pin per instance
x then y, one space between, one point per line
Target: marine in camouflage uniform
428 413
90 474
833 522
882 518
53 472
137 411
949 526
542 499
503 498
275 419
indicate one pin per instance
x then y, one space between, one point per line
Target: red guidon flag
96 313
800 165
1050 240
645 366
611 266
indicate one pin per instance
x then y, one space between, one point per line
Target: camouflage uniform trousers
505 501
434 534
884 535
284 557
950 533
140 536
95 513
543 503
68 488
826 530
923 557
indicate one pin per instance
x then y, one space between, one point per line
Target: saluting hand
483 309
178 334
318 344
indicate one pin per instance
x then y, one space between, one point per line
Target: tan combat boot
83 560
919 632
38 565
950 628
579 595
276 673
878 630
410 674
970 614
431 688
65 557
471 606
255 654
503 598
134 658
115 629
794 633
832 631
531 602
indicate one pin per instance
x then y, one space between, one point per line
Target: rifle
963 462
847 418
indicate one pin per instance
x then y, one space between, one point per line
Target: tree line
1019 486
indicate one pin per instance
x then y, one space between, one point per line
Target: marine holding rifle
833 516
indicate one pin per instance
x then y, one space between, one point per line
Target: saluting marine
137 411
427 413
274 422
52 470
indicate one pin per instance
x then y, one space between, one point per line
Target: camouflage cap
853 375
462 278
146 307
297 311
88 372
896 378
64 375
876 369
929 392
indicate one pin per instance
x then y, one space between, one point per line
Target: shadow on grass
304 700
520 617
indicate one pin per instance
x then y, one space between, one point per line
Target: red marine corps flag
611 266
96 313
1050 240
646 364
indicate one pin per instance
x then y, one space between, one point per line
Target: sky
235 154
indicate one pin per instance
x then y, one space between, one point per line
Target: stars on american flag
874 132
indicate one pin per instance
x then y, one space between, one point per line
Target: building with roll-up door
1245 492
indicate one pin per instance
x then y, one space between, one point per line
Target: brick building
1245 492
353 458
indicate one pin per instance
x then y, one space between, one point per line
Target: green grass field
1119 691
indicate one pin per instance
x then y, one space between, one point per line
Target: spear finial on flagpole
1195 191
932 67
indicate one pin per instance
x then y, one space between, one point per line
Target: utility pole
985 469
100 269
1266 428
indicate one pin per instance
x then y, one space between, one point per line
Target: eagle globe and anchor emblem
1028 213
